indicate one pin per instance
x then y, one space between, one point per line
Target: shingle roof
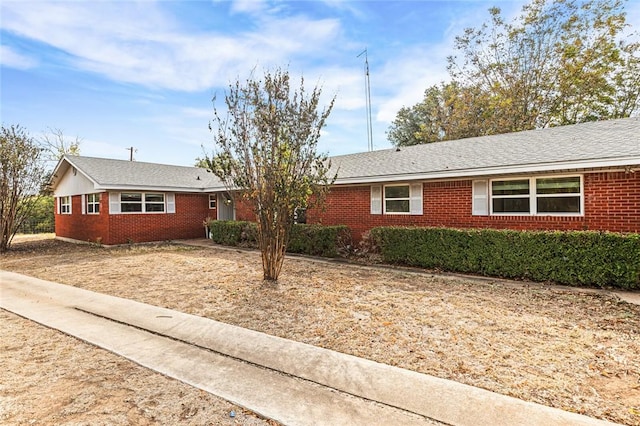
611 143
594 144
120 174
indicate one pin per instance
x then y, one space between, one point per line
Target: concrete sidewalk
291 382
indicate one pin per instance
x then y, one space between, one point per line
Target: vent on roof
398 149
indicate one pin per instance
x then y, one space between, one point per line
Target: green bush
315 240
233 233
318 240
579 258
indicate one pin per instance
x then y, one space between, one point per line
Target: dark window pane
511 205
558 204
154 207
397 206
562 185
124 197
510 187
396 191
154 198
130 207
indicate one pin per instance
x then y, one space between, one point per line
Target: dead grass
570 349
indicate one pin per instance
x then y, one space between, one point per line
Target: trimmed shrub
314 240
579 258
318 240
233 233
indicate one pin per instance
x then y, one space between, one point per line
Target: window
558 195
93 203
137 202
65 205
397 199
153 203
542 195
510 196
213 199
130 202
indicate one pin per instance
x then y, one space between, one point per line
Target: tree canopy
560 62
266 153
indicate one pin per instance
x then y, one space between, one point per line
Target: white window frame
166 203
385 199
92 201
533 196
213 201
64 204
415 199
146 202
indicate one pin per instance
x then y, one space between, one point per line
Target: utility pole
131 151
367 88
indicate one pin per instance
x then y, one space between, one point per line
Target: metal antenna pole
367 84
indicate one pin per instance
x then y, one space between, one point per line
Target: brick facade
611 203
186 222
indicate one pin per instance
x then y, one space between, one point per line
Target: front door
226 210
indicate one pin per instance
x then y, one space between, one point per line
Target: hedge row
314 240
579 258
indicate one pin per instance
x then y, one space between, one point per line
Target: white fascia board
490 171
139 188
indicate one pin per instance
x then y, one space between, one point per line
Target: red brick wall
84 227
612 202
186 222
244 211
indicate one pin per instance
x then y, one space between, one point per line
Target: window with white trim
213 201
548 195
141 202
93 203
397 199
65 205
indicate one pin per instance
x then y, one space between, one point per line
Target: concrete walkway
290 382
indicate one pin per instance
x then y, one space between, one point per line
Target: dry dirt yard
570 349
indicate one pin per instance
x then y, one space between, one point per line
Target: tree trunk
272 241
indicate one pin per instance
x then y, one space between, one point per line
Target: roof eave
492 171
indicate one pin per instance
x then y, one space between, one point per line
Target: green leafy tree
266 153
448 111
560 62
21 178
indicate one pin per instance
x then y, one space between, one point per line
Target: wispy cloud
12 59
143 44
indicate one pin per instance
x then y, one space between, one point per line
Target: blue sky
142 74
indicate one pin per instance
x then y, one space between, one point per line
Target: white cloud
12 59
141 44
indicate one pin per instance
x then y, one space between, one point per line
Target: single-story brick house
584 176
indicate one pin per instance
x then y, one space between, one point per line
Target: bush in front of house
319 240
579 258
233 233
314 240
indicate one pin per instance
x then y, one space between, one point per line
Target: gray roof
120 174
612 143
609 143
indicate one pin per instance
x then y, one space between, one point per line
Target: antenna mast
367 87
